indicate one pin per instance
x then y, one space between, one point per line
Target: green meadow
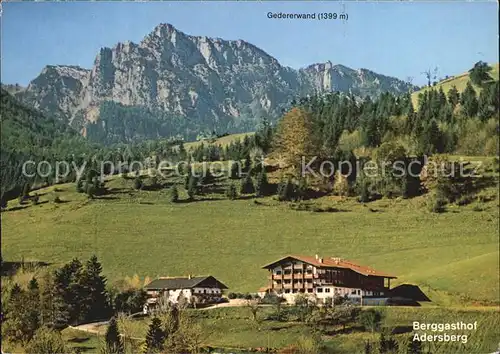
452 256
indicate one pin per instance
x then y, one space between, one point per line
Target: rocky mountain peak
214 83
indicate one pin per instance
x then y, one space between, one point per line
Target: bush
464 200
370 319
137 183
174 194
231 192
46 341
57 200
437 205
231 296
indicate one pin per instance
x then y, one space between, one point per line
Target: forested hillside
29 135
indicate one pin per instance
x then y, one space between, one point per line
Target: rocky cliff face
215 83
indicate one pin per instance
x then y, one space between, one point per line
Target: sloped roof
332 262
184 283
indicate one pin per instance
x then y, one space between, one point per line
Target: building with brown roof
325 278
193 290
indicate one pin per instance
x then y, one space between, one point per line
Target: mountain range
173 83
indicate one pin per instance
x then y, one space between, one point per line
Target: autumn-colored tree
294 137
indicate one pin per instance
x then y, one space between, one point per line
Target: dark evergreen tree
95 295
231 192
285 190
301 190
53 310
67 286
469 101
247 166
138 183
192 187
114 342
480 73
262 185
155 338
235 170
414 346
247 185
33 307
453 96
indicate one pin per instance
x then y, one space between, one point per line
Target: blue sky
399 39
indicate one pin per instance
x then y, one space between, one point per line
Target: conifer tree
262 185
137 183
469 101
453 96
114 342
33 307
68 287
235 170
247 185
93 284
155 337
192 187
53 310
414 346
231 192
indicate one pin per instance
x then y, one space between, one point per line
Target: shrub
231 296
464 200
370 319
437 205
57 200
247 185
231 192
46 341
137 183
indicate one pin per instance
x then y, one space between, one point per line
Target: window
359 292
309 290
294 291
327 290
319 290
278 281
287 291
353 292
278 272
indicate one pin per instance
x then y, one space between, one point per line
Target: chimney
320 260
189 276
316 256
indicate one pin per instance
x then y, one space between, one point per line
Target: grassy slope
460 81
143 233
223 141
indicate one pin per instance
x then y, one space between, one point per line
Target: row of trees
72 294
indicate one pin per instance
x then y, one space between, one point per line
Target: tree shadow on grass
402 329
11 267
